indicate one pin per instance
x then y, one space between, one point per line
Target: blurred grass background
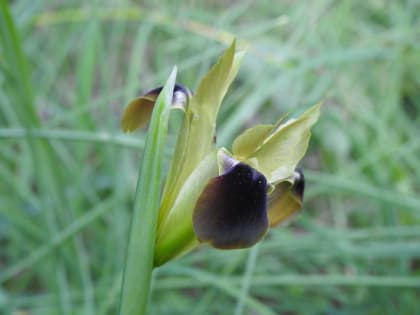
67 173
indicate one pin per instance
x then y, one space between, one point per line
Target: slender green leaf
140 253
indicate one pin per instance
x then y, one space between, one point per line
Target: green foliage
68 175
143 229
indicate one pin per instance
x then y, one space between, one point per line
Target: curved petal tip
138 112
285 202
298 187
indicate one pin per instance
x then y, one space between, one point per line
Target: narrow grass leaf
139 261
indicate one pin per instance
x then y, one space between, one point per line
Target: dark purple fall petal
231 212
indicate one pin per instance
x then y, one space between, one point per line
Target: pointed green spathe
176 234
194 144
199 127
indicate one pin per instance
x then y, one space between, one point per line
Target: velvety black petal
231 212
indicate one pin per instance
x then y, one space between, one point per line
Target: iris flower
228 199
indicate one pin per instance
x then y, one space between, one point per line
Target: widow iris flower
211 195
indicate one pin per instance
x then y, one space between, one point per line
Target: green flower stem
140 253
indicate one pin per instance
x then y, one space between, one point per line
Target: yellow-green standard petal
250 141
280 153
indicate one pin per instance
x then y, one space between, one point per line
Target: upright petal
251 140
280 153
